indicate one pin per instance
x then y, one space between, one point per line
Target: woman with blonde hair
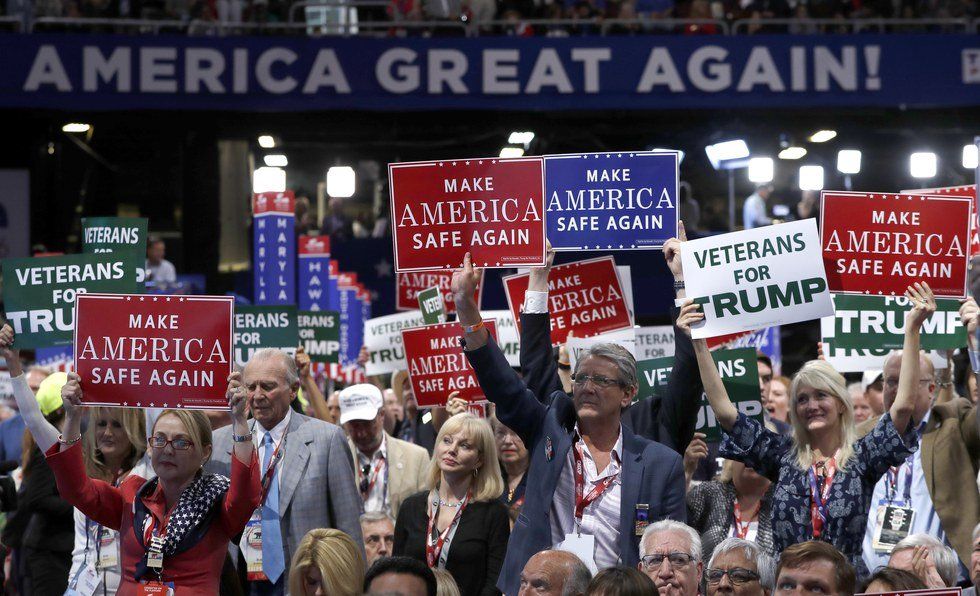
327 562
459 525
824 475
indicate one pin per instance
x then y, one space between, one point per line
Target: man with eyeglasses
387 470
593 485
378 530
306 470
739 567
670 555
927 493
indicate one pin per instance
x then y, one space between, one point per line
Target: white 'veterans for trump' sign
757 278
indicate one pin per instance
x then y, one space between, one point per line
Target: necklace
445 504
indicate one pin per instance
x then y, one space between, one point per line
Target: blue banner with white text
620 201
274 266
115 72
314 279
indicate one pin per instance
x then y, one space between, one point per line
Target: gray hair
288 363
976 532
669 525
765 564
947 562
618 355
375 516
577 579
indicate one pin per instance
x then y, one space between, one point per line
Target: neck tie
273 558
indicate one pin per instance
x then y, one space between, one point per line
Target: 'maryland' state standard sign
154 351
757 278
492 208
618 201
881 243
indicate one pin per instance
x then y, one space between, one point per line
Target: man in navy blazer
592 483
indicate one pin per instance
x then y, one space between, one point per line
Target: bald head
555 573
925 390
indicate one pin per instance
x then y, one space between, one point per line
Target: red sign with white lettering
584 296
881 243
493 208
314 246
437 365
966 190
413 282
273 202
154 351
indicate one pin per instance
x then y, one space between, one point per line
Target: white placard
757 278
577 345
383 338
654 342
508 338
626 282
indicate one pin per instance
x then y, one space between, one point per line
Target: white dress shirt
535 302
926 519
376 498
258 438
601 517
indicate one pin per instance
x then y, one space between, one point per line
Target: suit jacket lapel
632 475
395 459
297 453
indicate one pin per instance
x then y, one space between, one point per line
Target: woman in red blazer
176 527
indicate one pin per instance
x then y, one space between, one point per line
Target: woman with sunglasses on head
176 527
824 475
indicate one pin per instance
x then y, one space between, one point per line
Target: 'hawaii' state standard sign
618 201
881 243
154 351
492 208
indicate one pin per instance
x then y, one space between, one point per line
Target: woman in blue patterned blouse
824 474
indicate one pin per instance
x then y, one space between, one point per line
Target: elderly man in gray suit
307 477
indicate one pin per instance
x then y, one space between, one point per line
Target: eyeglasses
736 575
179 444
597 380
894 382
677 560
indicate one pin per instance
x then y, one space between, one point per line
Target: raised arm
682 400
517 407
969 314
923 306
308 383
45 434
725 412
538 367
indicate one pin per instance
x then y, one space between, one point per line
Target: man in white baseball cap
387 469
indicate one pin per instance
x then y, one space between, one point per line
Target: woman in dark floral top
824 474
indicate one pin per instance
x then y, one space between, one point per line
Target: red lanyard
273 464
433 548
372 476
741 531
819 495
581 502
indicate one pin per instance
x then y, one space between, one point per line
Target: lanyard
433 547
741 531
273 464
373 478
581 502
819 495
891 481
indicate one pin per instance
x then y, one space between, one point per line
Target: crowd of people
574 484
508 17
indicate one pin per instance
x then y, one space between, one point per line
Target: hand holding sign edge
463 288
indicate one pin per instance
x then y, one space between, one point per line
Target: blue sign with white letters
617 201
